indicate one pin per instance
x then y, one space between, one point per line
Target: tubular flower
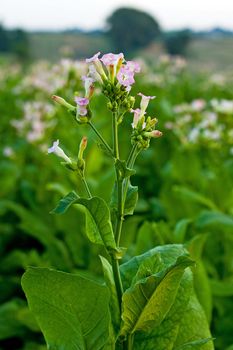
95 60
154 134
59 151
111 59
88 85
136 118
144 102
82 103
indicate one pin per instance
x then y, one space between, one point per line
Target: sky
91 14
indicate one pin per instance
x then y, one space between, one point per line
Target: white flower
58 151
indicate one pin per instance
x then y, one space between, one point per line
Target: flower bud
61 101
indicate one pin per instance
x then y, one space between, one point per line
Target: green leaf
204 294
196 344
65 203
71 311
109 279
213 220
149 299
130 200
97 218
180 230
221 288
123 169
195 197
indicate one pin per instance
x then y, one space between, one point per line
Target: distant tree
4 40
176 42
132 29
19 43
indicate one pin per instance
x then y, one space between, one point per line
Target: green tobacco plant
148 302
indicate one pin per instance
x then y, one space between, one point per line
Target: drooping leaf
180 230
196 344
97 218
71 311
213 220
195 197
147 302
65 203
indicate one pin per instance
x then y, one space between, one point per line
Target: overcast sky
90 14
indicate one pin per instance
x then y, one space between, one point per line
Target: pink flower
136 118
88 85
111 59
156 133
82 102
144 102
59 151
94 58
125 77
133 66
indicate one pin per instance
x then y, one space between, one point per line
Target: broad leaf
97 218
195 197
65 203
213 220
148 301
71 311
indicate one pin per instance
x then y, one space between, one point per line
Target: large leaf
71 311
97 218
195 197
164 336
148 301
214 220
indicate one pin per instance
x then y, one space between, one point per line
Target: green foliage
176 42
185 196
131 29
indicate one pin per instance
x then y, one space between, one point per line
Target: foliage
176 42
131 29
185 197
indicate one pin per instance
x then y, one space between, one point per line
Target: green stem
115 136
130 163
117 279
101 138
86 187
129 342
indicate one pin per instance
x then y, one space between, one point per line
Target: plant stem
119 220
129 342
117 279
101 138
115 136
86 187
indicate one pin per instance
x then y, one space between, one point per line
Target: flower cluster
35 121
143 128
202 122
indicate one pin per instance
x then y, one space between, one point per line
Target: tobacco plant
147 302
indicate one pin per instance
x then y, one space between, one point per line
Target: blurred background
185 49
